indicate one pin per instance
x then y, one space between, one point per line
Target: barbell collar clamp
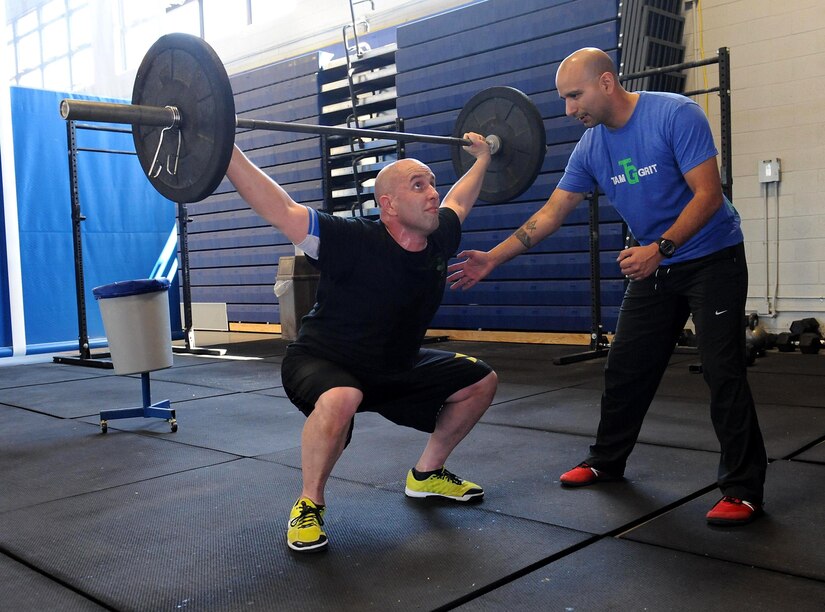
494 143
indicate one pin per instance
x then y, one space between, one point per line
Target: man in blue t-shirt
654 157
359 348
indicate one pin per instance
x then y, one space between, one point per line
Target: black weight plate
512 116
184 71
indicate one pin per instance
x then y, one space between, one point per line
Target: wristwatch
666 247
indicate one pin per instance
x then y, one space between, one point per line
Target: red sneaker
733 511
585 474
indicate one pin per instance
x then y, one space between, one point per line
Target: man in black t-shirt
359 349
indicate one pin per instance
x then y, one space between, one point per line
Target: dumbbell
686 338
757 339
808 343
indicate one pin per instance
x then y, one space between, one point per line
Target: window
50 46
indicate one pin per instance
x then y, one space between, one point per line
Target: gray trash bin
136 319
295 287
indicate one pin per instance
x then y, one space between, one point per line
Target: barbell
183 125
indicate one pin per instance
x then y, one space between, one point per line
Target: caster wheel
174 425
104 427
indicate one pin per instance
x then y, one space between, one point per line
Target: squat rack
86 357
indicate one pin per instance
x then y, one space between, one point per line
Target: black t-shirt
375 299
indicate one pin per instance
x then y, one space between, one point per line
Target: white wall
309 27
777 54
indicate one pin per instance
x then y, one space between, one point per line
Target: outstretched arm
465 192
268 198
478 264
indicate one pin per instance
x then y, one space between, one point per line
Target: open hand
474 267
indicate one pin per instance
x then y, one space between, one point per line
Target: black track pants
654 311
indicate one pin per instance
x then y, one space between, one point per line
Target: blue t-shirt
641 167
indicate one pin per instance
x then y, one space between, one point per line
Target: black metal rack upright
85 356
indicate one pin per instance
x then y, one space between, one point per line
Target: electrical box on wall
769 171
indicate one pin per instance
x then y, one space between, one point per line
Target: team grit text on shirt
631 174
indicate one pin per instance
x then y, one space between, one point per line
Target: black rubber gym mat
44 458
816 454
789 363
508 392
268 347
669 422
620 575
273 392
214 539
519 470
26 589
790 538
45 373
782 388
244 424
530 364
77 398
232 374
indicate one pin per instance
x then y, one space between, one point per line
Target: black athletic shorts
412 398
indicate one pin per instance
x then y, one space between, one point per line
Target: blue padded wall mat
233 252
481 14
6 339
442 62
126 228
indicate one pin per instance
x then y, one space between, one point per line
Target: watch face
666 247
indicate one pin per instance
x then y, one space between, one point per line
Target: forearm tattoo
523 233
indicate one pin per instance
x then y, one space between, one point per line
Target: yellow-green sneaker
442 483
306 526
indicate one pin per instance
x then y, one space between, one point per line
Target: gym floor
145 519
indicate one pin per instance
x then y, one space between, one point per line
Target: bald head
587 82
386 183
588 63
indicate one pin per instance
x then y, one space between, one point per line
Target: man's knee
484 390
489 384
337 406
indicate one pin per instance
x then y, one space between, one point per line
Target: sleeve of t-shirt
449 230
692 140
577 178
338 244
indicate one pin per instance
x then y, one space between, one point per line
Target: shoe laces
446 474
307 517
737 501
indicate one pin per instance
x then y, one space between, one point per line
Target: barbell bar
183 125
169 116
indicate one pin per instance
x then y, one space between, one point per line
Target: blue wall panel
5 308
479 15
127 222
233 252
519 318
442 62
